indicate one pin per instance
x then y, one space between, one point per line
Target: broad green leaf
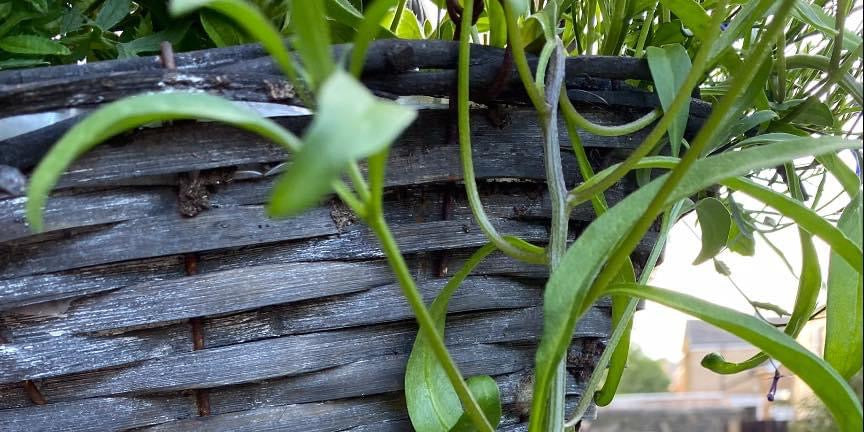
31 44
111 13
825 382
669 68
313 39
567 288
843 339
329 145
252 20
816 112
485 390
408 27
668 33
692 14
130 113
71 20
221 30
432 403
745 124
714 221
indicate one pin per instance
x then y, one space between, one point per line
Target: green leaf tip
329 146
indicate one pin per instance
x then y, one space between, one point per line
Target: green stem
643 33
717 119
521 251
621 331
557 196
424 318
581 122
517 48
357 180
394 25
586 191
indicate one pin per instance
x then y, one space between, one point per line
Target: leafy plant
784 81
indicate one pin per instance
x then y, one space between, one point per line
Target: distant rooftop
701 333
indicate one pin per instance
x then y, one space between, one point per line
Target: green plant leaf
329 146
408 27
221 30
669 68
809 282
804 216
567 288
111 13
21 63
343 12
366 32
313 39
850 181
843 339
254 22
497 24
740 239
151 43
714 221
485 390
825 382
432 403
816 17
130 113
692 14
31 44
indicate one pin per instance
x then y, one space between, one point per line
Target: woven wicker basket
160 297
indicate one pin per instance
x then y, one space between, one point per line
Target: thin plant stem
718 117
521 251
585 191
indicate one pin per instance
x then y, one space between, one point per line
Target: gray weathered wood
99 414
51 347
421 155
85 210
165 235
304 353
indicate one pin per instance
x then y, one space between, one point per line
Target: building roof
701 333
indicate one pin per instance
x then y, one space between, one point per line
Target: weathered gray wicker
127 314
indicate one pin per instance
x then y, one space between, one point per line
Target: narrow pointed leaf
432 403
568 287
130 113
843 338
825 382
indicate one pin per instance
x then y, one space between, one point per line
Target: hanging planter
160 291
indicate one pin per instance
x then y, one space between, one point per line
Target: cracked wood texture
126 315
